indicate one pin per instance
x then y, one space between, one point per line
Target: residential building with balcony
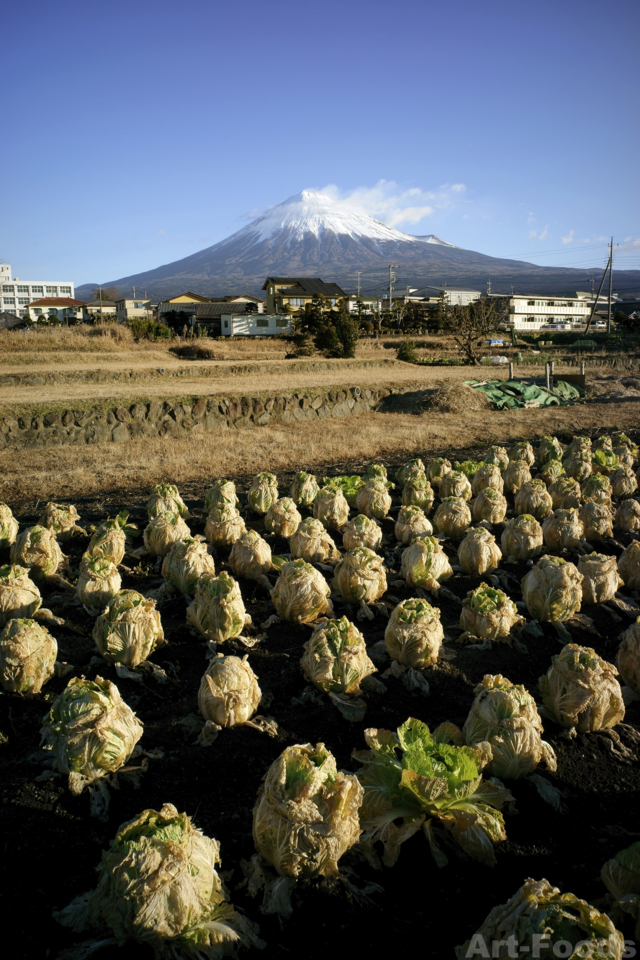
531 312
16 294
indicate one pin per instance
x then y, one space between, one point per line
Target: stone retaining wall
157 419
190 372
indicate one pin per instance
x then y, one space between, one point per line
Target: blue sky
143 132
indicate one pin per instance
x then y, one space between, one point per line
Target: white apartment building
15 294
457 298
532 312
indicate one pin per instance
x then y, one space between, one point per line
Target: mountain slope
312 235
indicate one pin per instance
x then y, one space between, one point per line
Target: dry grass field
138 465
111 347
106 469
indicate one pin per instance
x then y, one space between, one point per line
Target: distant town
51 302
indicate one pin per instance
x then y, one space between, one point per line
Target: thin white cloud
569 238
394 203
542 235
160 231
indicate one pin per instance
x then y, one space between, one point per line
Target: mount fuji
313 235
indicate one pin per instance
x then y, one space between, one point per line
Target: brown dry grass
224 384
458 398
78 472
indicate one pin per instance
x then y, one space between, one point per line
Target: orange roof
56 302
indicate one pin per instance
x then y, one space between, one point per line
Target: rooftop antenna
488 288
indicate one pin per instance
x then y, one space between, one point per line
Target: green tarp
509 394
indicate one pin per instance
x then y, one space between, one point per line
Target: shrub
407 351
146 329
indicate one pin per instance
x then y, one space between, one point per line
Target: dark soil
51 846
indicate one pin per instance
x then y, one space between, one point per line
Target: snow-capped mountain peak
313 213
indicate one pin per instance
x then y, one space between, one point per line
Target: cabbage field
386 709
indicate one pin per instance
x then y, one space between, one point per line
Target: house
129 307
298 291
255 324
361 304
209 315
9 320
240 299
97 309
16 294
64 308
184 304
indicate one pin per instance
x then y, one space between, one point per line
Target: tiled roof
310 285
58 302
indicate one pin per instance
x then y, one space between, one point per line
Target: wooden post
582 368
547 376
510 371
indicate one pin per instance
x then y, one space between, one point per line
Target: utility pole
134 293
610 285
358 275
595 302
392 278
100 289
488 288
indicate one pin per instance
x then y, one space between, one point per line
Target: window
282 322
23 300
226 323
53 290
23 289
262 321
37 290
530 319
138 305
296 301
37 311
531 303
271 290
65 290
7 289
9 300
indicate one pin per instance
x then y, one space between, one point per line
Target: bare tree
471 324
110 293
